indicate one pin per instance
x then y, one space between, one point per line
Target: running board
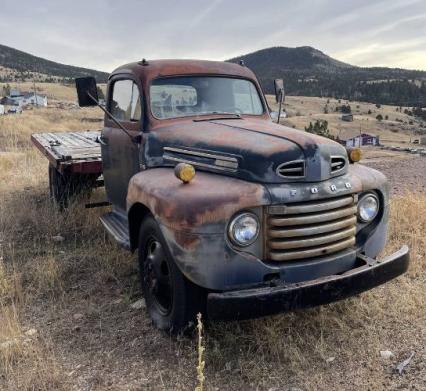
116 225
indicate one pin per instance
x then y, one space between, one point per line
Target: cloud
202 15
103 34
401 54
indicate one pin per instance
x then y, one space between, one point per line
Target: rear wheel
172 300
64 186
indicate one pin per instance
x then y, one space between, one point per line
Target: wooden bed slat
77 151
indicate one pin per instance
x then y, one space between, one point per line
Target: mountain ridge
305 70
309 71
21 65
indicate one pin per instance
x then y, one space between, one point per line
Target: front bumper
277 296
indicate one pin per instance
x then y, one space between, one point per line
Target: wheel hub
157 276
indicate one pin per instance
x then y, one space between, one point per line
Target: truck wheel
65 186
59 187
172 300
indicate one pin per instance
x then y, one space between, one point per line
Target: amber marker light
185 172
354 154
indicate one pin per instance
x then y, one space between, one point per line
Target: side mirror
86 91
279 90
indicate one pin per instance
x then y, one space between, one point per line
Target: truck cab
232 214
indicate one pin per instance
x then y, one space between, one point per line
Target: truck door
120 155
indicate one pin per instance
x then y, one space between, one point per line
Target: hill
16 65
305 70
310 72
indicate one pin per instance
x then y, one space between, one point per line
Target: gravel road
405 173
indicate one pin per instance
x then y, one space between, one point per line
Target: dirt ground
405 172
68 319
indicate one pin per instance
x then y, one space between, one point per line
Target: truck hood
251 149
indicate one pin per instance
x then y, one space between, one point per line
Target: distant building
423 140
347 117
17 98
1 109
358 140
8 101
14 93
34 99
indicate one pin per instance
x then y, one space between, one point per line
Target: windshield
173 97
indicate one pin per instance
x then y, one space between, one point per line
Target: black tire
64 186
171 299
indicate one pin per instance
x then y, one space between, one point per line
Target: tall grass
332 347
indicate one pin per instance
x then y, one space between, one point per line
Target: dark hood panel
247 148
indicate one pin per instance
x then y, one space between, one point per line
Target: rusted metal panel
76 152
194 219
203 205
256 148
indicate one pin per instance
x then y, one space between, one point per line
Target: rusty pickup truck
232 214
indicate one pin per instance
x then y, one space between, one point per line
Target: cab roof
151 69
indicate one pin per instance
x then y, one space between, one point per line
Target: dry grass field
66 320
397 129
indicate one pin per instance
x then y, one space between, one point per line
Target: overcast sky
104 34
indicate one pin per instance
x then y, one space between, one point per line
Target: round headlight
368 207
244 229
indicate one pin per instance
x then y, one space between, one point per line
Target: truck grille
310 229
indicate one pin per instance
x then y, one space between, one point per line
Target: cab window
180 96
125 103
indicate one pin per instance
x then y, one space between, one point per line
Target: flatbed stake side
274 219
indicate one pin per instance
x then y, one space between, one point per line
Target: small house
423 140
30 98
1 109
357 140
21 99
347 117
8 101
14 93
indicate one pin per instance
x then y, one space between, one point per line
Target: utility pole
35 93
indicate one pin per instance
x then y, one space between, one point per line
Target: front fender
193 218
202 206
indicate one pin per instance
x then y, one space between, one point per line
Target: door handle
103 140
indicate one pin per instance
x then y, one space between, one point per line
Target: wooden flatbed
71 152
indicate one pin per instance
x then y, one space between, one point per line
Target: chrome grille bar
312 241
313 252
313 218
314 230
317 206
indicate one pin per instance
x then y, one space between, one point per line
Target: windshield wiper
232 116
